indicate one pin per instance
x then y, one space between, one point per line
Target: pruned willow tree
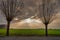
47 12
9 9
12 8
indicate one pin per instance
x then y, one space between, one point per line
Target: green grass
30 32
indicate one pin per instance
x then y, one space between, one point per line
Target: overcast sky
31 5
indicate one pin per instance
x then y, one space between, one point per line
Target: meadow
30 32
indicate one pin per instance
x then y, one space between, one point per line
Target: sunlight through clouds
32 20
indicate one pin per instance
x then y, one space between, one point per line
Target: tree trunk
46 30
8 25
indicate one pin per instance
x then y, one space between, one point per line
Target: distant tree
47 12
10 11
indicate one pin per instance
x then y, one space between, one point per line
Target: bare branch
48 10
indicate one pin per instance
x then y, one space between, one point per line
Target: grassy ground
30 32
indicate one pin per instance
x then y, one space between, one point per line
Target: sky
36 24
30 7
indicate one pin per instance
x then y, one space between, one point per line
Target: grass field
30 32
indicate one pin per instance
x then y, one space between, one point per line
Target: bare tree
10 10
47 12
